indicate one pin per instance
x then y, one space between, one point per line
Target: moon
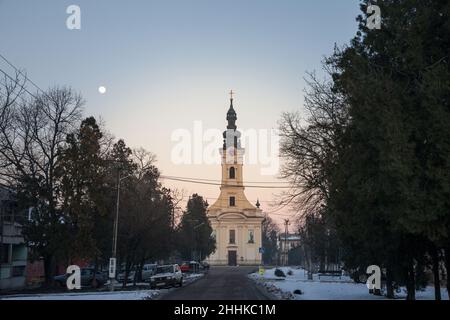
102 89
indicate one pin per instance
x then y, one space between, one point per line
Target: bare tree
32 134
12 91
144 160
309 147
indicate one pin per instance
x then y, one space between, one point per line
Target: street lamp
193 251
112 261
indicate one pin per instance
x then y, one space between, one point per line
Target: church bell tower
235 221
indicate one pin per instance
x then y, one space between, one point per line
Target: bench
330 273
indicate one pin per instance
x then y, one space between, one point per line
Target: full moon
102 89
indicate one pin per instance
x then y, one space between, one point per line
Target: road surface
220 283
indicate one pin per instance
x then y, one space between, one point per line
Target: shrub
279 273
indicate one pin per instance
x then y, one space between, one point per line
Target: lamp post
113 269
286 251
193 250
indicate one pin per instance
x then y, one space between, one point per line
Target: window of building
18 271
232 236
4 253
251 236
232 173
232 201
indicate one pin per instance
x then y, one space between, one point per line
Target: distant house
13 251
286 242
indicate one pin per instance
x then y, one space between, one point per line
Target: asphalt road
220 283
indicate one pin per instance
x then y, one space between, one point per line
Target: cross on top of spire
231 114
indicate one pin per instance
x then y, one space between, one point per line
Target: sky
168 66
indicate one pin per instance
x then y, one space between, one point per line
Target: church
236 223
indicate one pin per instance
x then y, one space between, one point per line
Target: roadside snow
325 288
189 277
142 294
116 295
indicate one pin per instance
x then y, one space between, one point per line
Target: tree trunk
437 282
48 270
95 283
447 268
411 282
389 286
126 273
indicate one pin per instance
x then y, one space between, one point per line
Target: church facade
236 223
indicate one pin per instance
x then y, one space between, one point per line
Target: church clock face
231 151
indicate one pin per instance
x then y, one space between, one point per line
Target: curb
160 296
262 290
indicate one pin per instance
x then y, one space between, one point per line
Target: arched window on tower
232 173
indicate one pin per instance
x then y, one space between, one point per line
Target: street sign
261 270
112 268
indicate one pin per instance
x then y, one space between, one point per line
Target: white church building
235 221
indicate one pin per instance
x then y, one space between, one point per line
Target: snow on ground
142 294
325 288
116 295
189 277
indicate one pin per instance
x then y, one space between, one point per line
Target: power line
181 179
216 180
20 72
15 81
251 200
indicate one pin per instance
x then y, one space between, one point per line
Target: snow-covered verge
325 288
141 294
107 295
191 277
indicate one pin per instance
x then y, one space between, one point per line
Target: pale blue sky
166 63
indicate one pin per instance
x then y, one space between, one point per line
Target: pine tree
392 189
195 232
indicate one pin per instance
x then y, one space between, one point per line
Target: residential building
13 251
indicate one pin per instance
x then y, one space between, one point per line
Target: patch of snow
116 295
325 288
192 276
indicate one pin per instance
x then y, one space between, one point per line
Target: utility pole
286 230
1 232
112 275
113 260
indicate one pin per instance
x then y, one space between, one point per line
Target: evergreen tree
81 176
195 233
391 192
270 231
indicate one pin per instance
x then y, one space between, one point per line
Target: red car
185 267
190 266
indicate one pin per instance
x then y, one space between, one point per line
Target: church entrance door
232 258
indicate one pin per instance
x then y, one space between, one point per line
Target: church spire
231 114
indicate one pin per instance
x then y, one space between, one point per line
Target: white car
121 276
148 270
166 276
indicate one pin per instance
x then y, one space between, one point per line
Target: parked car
184 267
89 278
148 270
166 276
131 274
190 266
204 265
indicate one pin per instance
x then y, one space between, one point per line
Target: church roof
231 116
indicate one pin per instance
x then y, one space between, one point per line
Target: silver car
148 270
167 276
